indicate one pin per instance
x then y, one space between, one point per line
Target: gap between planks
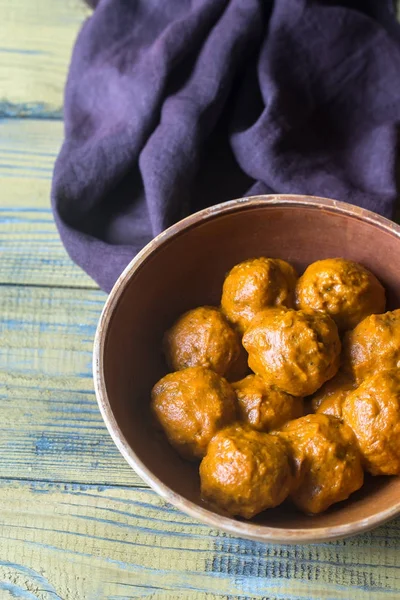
139 485
50 286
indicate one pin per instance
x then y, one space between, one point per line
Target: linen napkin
174 105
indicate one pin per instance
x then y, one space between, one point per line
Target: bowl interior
186 271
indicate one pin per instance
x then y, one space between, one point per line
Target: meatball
263 405
332 406
191 406
345 290
245 471
255 284
202 337
330 397
373 412
294 350
374 345
327 459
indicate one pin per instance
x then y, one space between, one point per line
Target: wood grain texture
36 39
30 247
51 427
77 525
102 542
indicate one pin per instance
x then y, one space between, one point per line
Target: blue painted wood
132 543
31 110
75 523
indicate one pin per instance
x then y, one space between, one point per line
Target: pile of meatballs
289 389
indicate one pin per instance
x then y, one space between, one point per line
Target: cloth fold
174 105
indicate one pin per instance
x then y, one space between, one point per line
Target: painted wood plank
30 248
50 426
36 39
89 542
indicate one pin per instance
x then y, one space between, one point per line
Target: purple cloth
174 105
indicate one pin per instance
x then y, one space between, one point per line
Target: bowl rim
249 530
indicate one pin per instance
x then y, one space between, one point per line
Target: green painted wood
103 542
30 248
50 426
36 39
75 522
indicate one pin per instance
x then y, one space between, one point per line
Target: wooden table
75 521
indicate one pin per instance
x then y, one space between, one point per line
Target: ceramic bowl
184 267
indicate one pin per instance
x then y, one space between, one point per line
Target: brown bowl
184 267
